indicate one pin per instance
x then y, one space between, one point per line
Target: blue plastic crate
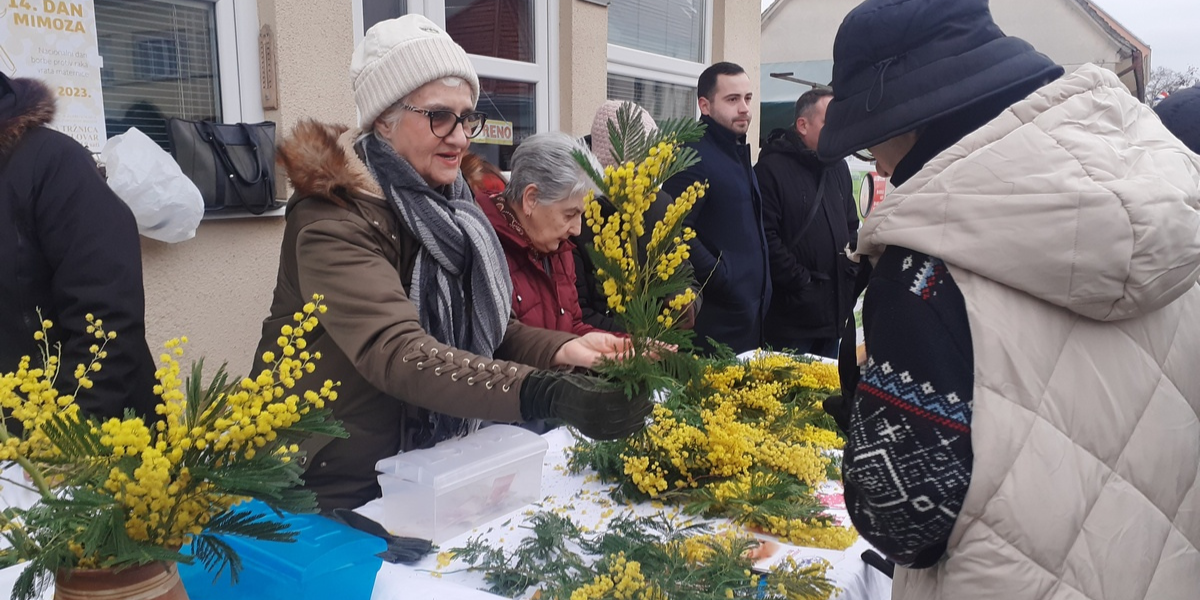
327 560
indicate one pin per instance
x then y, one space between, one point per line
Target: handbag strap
816 203
261 171
223 153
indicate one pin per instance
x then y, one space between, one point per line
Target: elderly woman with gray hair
535 217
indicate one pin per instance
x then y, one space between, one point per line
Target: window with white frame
508 42
656 51
168 58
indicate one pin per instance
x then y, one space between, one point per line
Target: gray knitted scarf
460 284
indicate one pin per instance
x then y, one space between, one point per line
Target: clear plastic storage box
441 492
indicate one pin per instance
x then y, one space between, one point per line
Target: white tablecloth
585 501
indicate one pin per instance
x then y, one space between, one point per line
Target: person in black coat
70 248
730 249
807 235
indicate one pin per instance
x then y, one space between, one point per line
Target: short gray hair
547 160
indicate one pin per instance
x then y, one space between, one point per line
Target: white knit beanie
398 56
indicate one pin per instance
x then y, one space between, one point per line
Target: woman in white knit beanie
419 329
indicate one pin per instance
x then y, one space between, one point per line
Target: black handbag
233 164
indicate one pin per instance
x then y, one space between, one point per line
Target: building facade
543 65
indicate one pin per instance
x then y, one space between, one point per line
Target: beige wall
1043 24
216 288
735 39
802 30
583 64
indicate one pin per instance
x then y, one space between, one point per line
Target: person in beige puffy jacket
1026 425
419 329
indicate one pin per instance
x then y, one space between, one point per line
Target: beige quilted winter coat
1071 223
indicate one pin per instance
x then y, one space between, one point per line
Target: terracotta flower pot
155 581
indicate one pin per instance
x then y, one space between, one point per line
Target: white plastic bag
167 205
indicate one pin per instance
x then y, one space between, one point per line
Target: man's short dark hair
707 84
809 99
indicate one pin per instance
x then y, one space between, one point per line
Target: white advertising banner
56 42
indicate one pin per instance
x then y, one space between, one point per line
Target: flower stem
35 474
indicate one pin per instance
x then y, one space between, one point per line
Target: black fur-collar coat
68 247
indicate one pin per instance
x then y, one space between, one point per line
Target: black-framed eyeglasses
443 122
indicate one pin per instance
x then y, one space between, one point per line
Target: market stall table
587 502
582 498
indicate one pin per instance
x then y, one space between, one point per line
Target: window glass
662 100
511 107
672 28
375 11
496 28
160 61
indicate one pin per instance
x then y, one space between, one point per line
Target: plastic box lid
458 461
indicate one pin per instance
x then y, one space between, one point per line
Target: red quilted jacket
540 298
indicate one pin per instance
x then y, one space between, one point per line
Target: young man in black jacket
730 249
70 247
810 221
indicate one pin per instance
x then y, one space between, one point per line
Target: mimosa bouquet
119 493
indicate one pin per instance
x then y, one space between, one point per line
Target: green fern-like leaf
250 525
215 554
33 581
628 136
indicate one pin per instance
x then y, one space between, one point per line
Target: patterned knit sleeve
908 454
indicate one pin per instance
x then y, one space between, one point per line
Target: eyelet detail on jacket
455 377
421 365
437 372
482 366
467 363
506 387
433 352
471 380
512 370
449 356
488 385
496 368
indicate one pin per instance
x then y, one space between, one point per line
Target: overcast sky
1170 27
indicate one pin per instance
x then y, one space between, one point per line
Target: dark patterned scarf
460 284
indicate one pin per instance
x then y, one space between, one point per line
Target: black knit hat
1180 112
899 64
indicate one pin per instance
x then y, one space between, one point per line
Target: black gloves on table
597 409
404 550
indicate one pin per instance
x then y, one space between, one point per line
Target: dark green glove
839 409
597 409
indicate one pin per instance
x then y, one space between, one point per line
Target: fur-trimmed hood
24 105
320 161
